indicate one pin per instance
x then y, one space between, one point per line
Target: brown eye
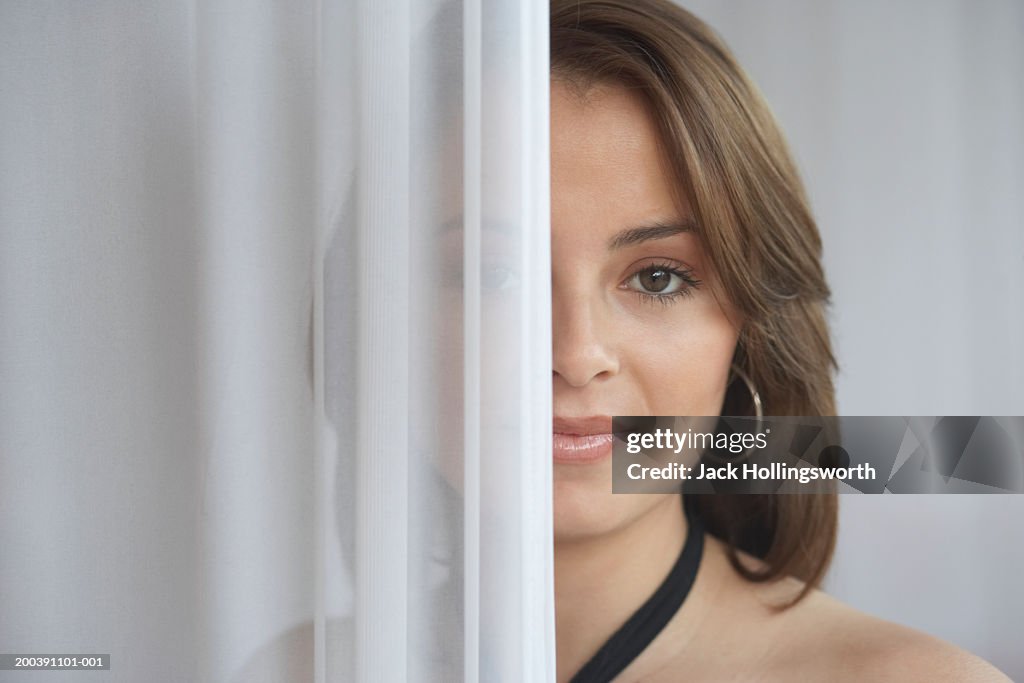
654 280
658 281
662 282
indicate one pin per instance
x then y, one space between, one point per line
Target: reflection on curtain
274 339
435 351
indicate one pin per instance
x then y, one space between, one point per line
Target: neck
601 580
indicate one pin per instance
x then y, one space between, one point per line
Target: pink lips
583 439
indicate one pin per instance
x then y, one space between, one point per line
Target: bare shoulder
851 645
755 631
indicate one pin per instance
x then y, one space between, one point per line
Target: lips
582 440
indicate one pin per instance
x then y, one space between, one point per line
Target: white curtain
275 339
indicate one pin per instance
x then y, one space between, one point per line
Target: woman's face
640 324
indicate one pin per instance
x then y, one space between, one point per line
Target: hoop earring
754 396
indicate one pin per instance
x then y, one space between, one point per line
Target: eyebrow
658 231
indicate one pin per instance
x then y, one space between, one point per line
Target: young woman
687 281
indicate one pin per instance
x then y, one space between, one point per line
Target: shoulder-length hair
752 216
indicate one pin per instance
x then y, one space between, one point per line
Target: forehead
606 153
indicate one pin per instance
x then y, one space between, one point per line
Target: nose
583 348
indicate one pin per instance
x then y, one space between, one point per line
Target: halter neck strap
647 622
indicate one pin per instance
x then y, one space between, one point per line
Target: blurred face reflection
640 325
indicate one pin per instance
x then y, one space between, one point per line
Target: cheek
680 360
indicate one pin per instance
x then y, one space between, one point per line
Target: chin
586 509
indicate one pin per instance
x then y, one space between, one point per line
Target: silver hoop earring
754 396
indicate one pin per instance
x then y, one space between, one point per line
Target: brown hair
753 219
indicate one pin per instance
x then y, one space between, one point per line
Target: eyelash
690 283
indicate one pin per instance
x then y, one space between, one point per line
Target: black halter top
647 622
